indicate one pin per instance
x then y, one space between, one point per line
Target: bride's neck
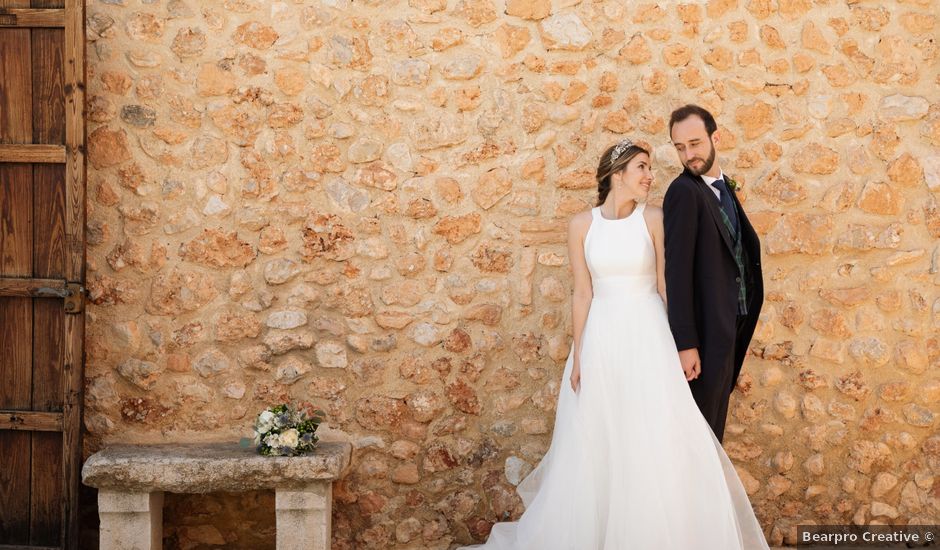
619 205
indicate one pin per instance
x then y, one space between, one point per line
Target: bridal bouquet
286 430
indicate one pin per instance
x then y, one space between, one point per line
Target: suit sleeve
680 222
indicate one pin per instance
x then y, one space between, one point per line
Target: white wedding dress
632 465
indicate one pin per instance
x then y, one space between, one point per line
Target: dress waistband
618 286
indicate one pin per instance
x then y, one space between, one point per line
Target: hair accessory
624 144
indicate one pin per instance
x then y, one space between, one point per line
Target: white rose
289 438
265 421
272 440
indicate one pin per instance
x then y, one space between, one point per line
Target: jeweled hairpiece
619 149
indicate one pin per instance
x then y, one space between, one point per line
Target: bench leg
303 517
130 521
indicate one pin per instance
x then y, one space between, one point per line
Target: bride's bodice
620 255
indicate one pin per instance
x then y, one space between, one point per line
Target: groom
713 277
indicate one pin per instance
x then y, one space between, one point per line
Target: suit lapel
742 218
746 227
713 208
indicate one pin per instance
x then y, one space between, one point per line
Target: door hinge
75 298
72 293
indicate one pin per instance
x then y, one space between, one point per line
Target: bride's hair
605 167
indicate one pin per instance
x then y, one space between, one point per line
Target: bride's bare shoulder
653 212
580 222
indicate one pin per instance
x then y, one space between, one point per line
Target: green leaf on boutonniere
732 183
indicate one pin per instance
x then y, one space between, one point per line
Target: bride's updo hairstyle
613 160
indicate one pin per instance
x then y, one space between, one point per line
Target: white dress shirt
710 180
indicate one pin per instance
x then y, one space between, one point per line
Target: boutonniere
734 185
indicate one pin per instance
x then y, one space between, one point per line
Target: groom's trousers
712 389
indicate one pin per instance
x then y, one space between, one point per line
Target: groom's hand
691 364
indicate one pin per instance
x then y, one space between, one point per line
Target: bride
632 462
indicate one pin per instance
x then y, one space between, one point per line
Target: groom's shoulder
683 178
682 185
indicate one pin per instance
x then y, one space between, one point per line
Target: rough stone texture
130 520
304 517
401 174
184 468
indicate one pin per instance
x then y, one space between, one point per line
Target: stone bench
131 480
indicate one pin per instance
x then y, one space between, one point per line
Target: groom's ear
716 137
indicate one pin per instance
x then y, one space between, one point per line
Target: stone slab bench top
210 467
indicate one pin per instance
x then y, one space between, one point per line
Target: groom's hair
686 111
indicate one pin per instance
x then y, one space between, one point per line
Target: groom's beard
709 162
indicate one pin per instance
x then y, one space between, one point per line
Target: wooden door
42 270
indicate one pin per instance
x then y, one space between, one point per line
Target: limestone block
130 520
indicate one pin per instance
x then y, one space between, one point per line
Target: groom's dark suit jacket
701 278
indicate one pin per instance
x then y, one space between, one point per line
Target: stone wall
364 204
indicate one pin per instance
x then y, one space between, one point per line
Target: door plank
45 505
16 220
11 419
47 4
15 260
75 139
15 393
14 487
49 221
48 65
15 87
25 17
48 315
26 152
75 178
48 348
16 360
73 372
48 343
27 286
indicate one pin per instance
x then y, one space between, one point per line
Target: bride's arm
655 224
583 291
